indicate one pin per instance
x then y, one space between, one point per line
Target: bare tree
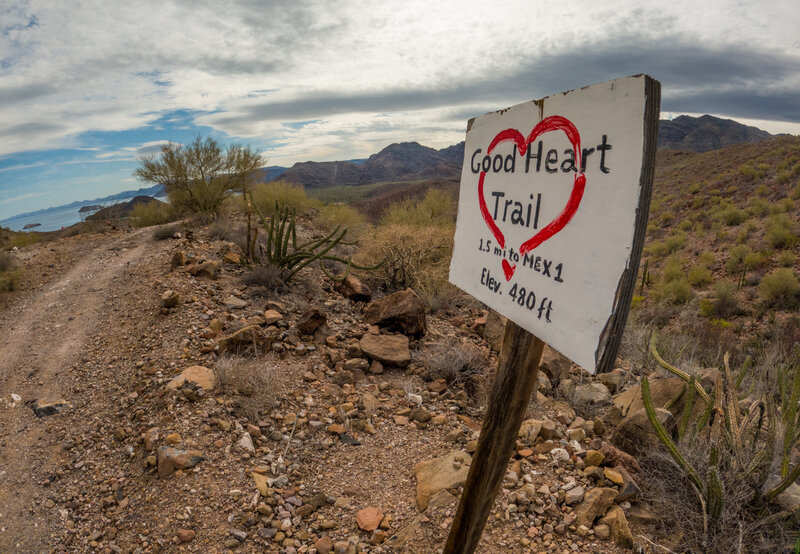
201 175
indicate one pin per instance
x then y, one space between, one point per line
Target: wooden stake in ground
514 382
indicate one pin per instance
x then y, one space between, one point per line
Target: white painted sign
547 213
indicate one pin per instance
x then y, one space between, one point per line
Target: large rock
554 365
595 503
387 349
447 472
249 336
369 518
662 390
402 312
170 459
591 393
197 374
529 430
311 320
635 434
354 289
620 531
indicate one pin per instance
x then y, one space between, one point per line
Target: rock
628 489
387 349
595 503
262 483
170 299
577 434
197 374
311 320
170 459
324 545
554 365
613 380
178 259
789 499
232 258
272 316
616 457
369 518
206 269
234 303
544 385
44 408
593 458
566 388
354 289
238 534
529 430
618 525
438 474
595 473
184 535
639 515
591 393
246 443
249 336
548 430
662 390
602 531
574 495
635 433
403 312
494 330
420 414
559 454
336 429
172 439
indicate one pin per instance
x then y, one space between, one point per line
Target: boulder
662 390
170 299
529 430
618 525
447 472
387 349
311 320
369 518
591 393
595 503
554 365
206 269
354 289
171 459
635 433
197 374
402 312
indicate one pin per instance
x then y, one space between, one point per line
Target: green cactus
291 258
674 370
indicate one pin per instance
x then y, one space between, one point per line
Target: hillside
704 133
722 250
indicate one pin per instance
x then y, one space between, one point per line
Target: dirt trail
43 333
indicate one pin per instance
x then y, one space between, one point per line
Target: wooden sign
552 213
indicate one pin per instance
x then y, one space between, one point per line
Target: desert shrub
676 291
165 232
705 258
733 216
286 195
24 238
700 275
724 303
152 213
346 216
780 232
254 383
6 262
780 288
8 276
796 191
756 260
411 255
666 219
267 276
694 189
226 230
786 259
438 208
670 245
783 177
684 225
459 364
758 206
736 256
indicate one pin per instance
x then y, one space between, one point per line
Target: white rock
246 443
559 454
414 398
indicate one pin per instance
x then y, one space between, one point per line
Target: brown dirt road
44 331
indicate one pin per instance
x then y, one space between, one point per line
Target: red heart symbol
552 123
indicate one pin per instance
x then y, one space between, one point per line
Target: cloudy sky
87 87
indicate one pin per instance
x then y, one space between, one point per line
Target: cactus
291 258
674 370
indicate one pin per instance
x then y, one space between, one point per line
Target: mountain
405 161
704 133
122 209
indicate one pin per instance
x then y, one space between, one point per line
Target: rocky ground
152 402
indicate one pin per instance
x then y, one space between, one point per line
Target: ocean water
51 220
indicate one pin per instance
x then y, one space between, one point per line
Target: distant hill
704 133
121 210
405 161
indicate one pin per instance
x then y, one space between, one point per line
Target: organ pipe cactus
280 248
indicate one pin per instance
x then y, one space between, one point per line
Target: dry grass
255 383
458 364
267 276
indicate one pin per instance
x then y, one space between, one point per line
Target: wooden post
514 383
